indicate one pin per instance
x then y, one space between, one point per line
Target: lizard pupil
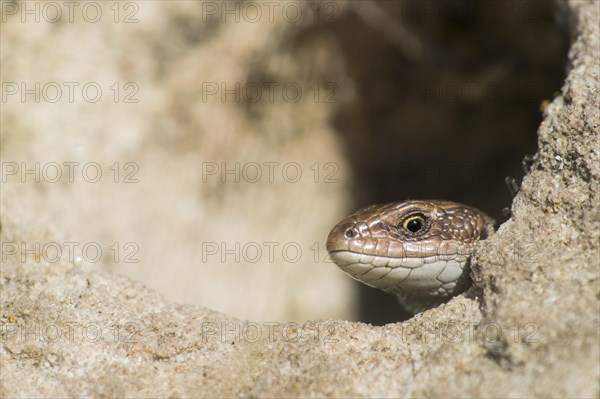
414 225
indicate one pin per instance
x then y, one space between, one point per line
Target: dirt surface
529 327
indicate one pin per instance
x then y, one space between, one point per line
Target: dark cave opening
456 120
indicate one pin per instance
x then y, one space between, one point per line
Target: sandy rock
529 327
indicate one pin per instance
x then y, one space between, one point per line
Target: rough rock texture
530 329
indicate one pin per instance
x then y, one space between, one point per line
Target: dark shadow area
453 122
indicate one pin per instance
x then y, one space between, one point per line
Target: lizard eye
414 223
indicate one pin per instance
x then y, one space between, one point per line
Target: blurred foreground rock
69 330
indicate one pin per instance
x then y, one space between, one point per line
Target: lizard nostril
350 233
